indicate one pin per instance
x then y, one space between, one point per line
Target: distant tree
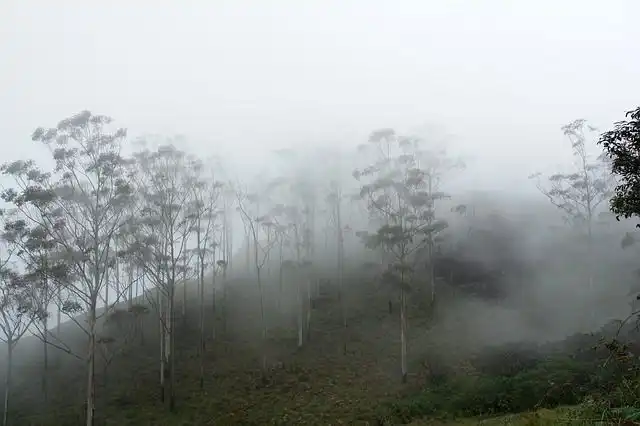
622 146
206 193
580 193
261 230
334 199
397 189
81 205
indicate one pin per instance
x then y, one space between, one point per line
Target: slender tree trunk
308 324
91 389
213 296
7 381
432 274
300 324
201 291
340 252
131 286
184 287
45 334
161 328
106 291
45 367
403 335
172 353
280 275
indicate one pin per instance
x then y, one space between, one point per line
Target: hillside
316 384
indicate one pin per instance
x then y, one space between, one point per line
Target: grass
316 384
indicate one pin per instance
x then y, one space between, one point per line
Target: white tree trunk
7 381
91 366
403 336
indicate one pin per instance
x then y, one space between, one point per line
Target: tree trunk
308 324
403 335
58 320
184 287
172 352
45 366
213 297
161 328
91 365
131 286
280 276
201 292
300 324
45 335
7 381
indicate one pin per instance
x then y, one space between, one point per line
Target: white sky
245 76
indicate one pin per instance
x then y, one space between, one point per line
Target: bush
548 383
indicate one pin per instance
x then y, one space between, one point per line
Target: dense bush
548 382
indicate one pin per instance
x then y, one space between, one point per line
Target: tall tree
397 189
206 194
261 232
81 205
18 310
580 193
157 238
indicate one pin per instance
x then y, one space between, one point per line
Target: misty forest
143 285
374 273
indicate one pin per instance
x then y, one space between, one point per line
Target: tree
205 194
580 193
398 190
334 199
157 237
80 205
17 313
622 147
259 228
43 265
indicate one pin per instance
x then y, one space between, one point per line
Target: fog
491 82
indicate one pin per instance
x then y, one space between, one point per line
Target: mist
261 93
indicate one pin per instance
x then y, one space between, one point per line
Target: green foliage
554 381
622 146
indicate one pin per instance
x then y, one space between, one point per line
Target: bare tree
261 230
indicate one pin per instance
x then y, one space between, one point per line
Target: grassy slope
317 384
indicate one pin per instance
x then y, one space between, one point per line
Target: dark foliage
622 144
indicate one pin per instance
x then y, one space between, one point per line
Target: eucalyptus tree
80 204
206 196
334 199
580 193
18 310
397 189
298 187
261 231
44 267
158 235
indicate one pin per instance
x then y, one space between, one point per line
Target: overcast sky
246 76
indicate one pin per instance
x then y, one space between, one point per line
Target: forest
141 284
